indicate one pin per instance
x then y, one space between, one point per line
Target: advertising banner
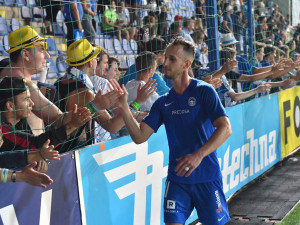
254 145
23 204
289 107
123 183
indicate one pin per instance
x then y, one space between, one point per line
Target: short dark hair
144 61
111 60
226 53
14 56
188 46
9 88
269 50
187 21
156 45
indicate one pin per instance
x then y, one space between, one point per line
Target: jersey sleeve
212 103
154 118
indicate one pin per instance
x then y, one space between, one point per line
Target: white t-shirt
132 87
100 133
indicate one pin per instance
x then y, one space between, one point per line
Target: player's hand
187 164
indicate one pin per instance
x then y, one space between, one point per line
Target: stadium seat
130 60
52 72
61 64
9 2
5 43
52 49
108 44
26 13
20 3
2 50
134 46
37 14
127 47
123 63
4 29
99 42
31 3
15 24
118 47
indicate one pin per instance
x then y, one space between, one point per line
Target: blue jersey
188 119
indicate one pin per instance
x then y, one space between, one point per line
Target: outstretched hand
48 153
144 92
229 65
30 176
263 88
108 100
80 116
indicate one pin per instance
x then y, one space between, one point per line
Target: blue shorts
208 199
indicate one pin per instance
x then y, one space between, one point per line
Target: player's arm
219 136
138 132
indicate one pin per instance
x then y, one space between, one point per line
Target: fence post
212 32
250 32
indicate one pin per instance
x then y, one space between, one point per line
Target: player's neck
181 83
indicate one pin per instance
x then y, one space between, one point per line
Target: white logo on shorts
171 204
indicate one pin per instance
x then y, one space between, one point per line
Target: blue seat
5 43
127 47
4 28
52 72
134 46
20 3
130 60
9 2
108 44
123 62
118 47
2 50
61 64
99 42
15 24
37 14
26 12
52 48
31 3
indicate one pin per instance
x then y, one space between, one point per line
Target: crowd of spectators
85 110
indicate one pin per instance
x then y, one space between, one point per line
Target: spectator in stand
187 30
227 94
16 104
227 17
52 7
146 65
157 46
162 29
28 56
261 30
99 78
199 37
144 33
113 72
140 7
200 9
110 24
87 20
73 14
238 30
174 30
123 17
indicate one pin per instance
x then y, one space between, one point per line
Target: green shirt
112 18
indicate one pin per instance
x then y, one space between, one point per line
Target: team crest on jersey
192 101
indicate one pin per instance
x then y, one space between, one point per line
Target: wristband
94 106
135 105
14 176
90 108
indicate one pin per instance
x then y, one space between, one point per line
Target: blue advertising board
125 182
254 145
23 204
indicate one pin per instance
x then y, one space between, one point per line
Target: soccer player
196 125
